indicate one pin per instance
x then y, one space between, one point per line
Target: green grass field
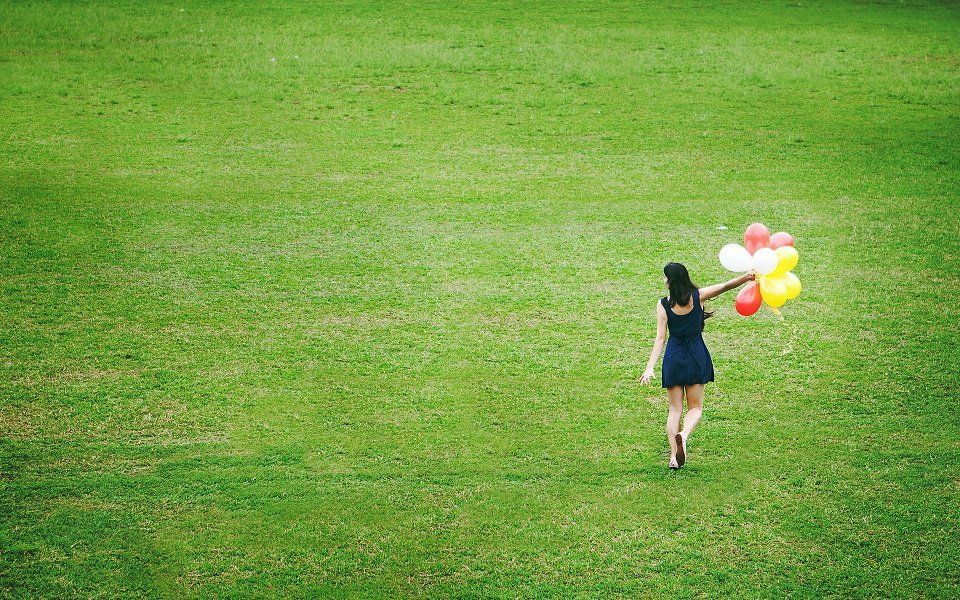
307 299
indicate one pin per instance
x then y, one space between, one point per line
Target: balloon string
793 338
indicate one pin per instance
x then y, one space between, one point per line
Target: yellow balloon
773 291
787 259
792 284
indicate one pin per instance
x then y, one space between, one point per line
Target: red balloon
749 300
781 238
757 236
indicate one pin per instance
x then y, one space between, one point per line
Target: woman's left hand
646 377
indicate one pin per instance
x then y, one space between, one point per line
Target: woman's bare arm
658 343
715 290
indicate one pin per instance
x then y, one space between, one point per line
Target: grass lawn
352 298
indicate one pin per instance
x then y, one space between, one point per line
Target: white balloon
765 261
735 257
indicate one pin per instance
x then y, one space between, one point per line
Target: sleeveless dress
686 360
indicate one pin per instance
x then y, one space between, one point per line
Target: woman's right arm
657 344
715 290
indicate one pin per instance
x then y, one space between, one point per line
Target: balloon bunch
772 258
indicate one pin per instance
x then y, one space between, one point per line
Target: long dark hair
680 286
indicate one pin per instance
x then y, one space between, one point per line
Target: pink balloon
781 238
748 300
755 237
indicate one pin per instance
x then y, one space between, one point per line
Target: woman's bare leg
694 409
675 396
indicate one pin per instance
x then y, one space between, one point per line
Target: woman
687 366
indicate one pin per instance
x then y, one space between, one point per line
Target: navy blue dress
686 360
